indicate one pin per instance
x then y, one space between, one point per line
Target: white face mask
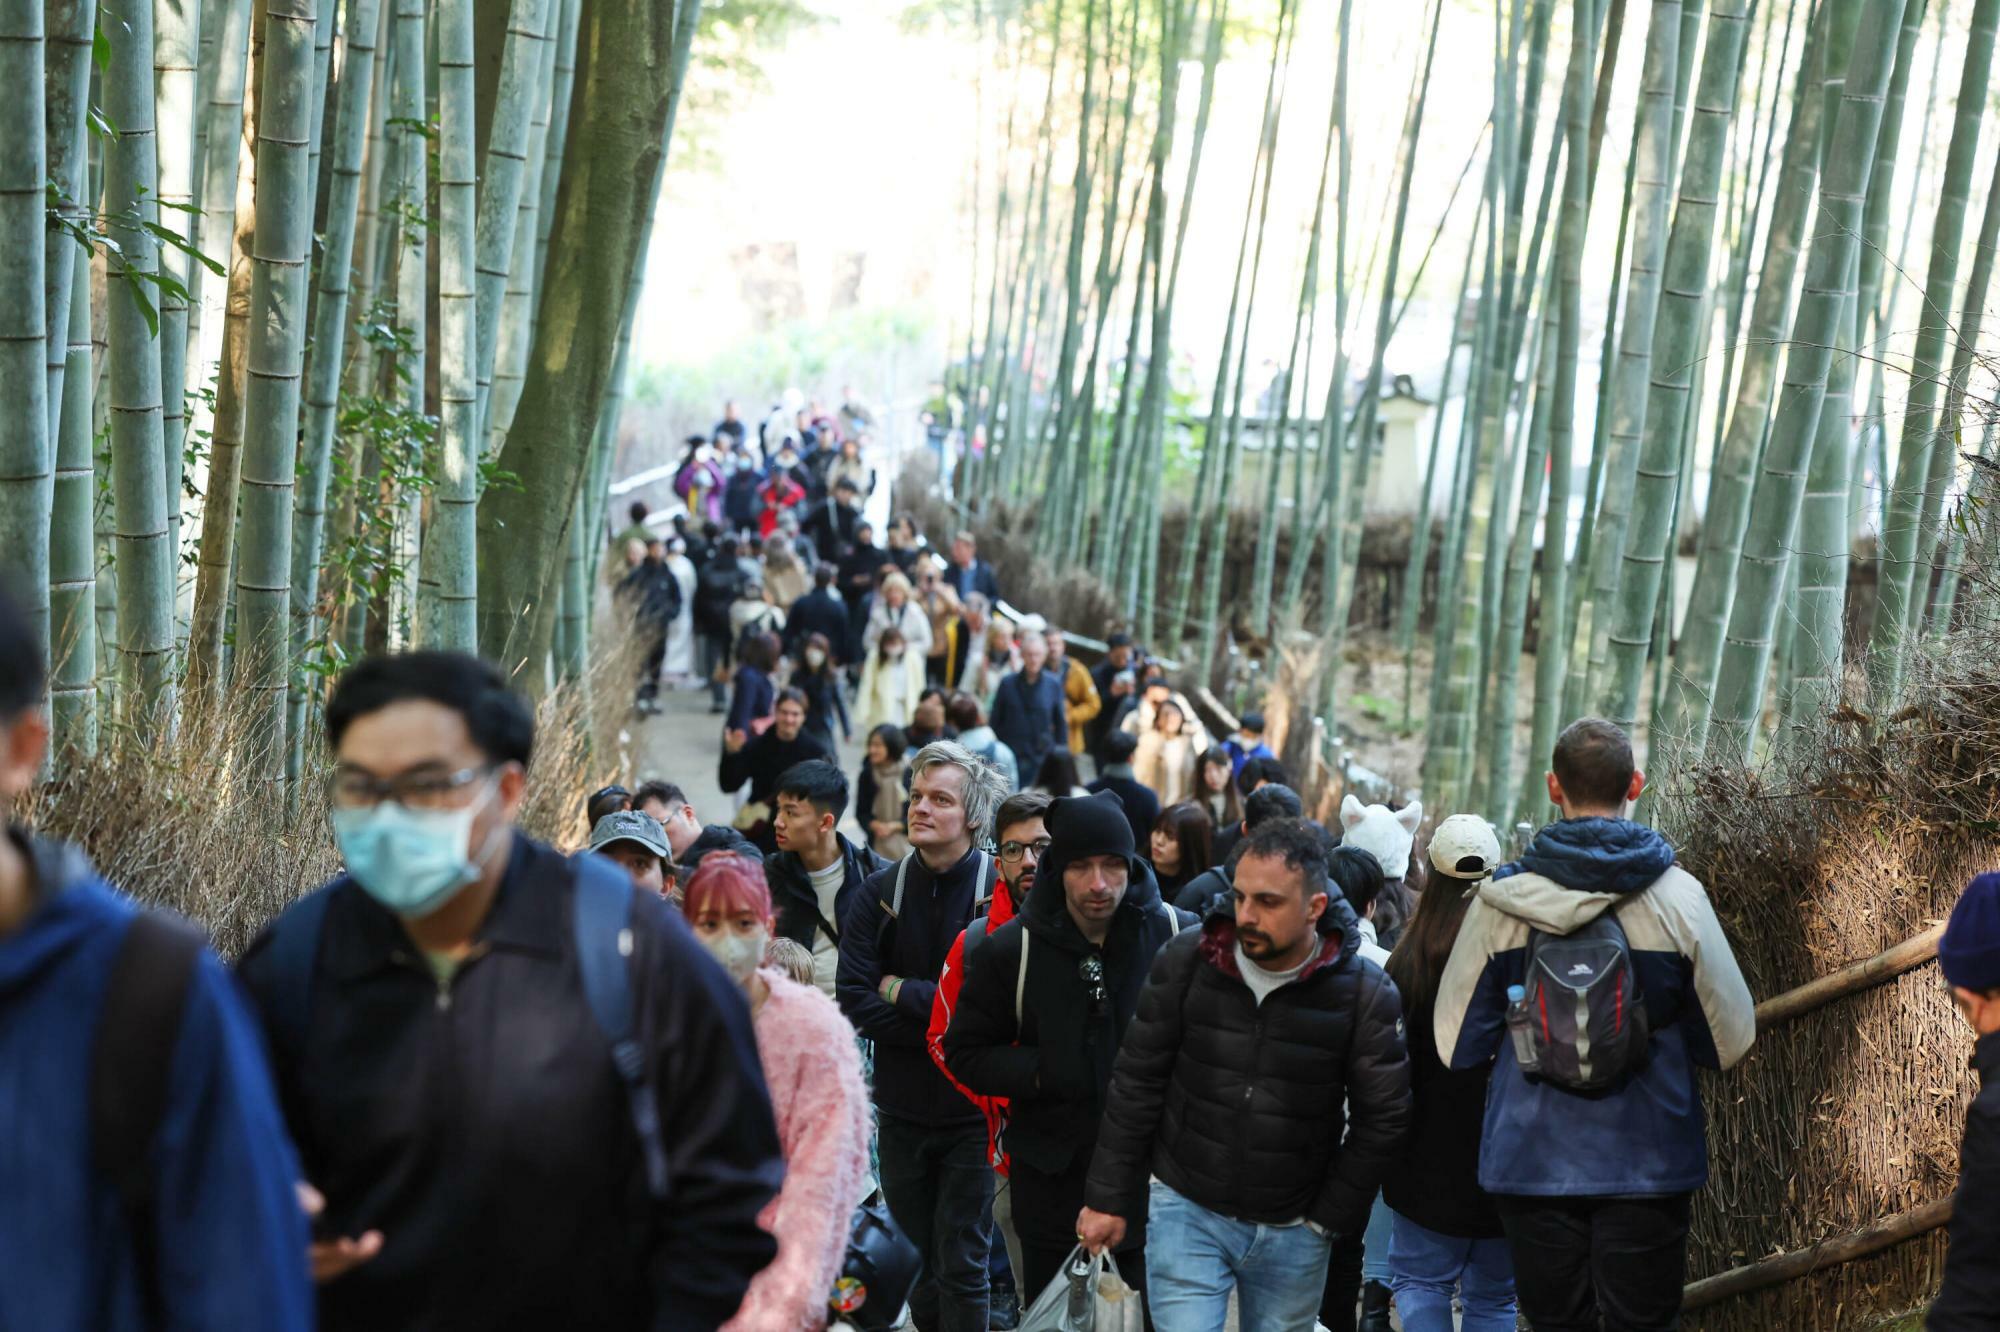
893 654
739 954
815 658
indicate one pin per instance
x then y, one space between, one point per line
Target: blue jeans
1426 1267
1194 1257
1375 1242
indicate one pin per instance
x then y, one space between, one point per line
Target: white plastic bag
1087 1295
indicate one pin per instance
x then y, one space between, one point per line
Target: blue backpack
602 924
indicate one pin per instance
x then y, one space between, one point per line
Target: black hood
1046 913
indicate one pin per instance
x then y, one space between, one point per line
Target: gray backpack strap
1021 981
902 875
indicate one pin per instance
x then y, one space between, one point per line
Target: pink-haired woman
814 1072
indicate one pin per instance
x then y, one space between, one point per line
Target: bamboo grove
314 317
1788 297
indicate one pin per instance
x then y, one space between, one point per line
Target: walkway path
683 745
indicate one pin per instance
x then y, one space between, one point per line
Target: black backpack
1585 1013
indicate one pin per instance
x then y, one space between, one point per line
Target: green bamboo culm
322 390
1914 500
1679 727
143 552
176 32
1679 336
71 24
410 199
517 304
447 589
27 464
271 388
72 561
1774 507
502 179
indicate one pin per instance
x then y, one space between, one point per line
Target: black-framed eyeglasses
1091 971
350 788
1012 851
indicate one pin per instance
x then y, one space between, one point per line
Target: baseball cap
628 825
1464 847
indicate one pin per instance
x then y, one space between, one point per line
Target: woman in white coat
1166 755
679 664
896 609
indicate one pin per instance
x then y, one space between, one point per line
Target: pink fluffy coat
814 1073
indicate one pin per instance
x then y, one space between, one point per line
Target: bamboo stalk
1767 1272
1865 974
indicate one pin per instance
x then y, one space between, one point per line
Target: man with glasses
444 1048
1023 840
1044 1006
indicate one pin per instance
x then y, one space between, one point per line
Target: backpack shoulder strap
603 928
895 902
132 1052
1021 981
294 956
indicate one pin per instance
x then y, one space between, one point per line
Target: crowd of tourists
762 1075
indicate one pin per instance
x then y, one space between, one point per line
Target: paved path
683 745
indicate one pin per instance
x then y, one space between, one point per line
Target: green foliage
92 228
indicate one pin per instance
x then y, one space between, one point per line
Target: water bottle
1519 1027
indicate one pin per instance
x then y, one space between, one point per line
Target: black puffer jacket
1239 1108
1055 1064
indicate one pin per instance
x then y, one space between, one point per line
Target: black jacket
1055 1064
796 904
831 525
716 586
1241 1109
857 572
1142 807
1030 719
714 837
764 759
817 612
481 1126
825 704
651 593
935 909
1437 1185
1206 891
1970 1299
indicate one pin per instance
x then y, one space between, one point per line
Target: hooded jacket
1647 1137
912 945
1054 1064
1241 1108
1970 1298
229 1249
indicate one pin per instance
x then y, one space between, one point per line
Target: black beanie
1082 826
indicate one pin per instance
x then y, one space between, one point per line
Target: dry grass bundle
174 819
1849 841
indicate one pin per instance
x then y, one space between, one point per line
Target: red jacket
993 1107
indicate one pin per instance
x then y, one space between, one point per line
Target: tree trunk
72 561
637 53
176 33
502 177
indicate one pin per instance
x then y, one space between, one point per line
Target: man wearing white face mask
477 1039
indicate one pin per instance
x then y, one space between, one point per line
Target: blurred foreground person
480 1045
813 1069
145 1179
1969 956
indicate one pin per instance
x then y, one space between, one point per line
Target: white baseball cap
1464 846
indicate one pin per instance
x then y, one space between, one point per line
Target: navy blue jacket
975 577
230 1247
936 907
755 697
480 1124
817 612
792 896
1030 719
1646 1138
